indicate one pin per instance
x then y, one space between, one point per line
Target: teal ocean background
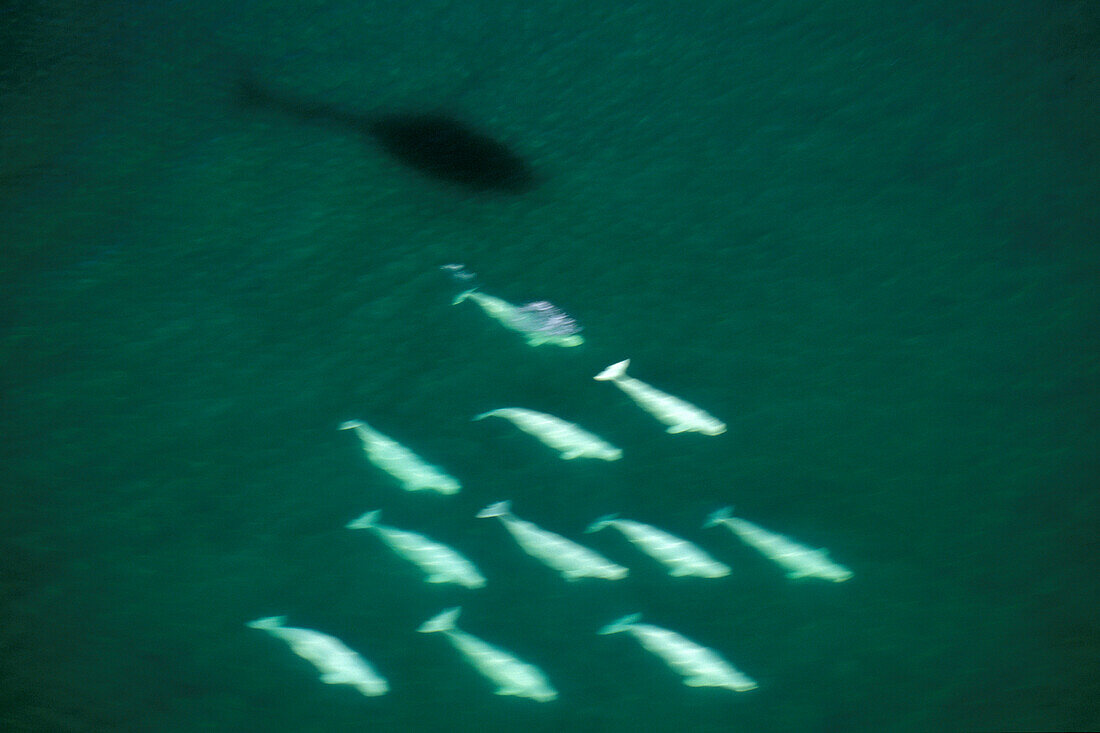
864 235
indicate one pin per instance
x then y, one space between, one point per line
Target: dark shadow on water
433 143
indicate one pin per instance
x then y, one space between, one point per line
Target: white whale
570 440
573 561
799 560
680 416
514 318
512 676
414 473
678 555
337 664
442 564
700 666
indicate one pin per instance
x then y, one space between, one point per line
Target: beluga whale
435 143
441 564
512 676
572 560
699 666
540 321
800 561
679 415
337 664
571 441
414 473
681 557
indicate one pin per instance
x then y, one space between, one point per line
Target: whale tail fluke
463 296
622 624
496 510
484 415
600 523
442 621
718 516
614 371
352 424
268 622
366 521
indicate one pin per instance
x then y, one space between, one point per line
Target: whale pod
511 675
678 555
680 416
570 559
799 560
414 473
570 440
699 666
441 563
337 664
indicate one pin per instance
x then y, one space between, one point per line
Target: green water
865 237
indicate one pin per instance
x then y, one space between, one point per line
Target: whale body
799 560
511 675
699 666
570 440
678 555
540 322
414 473
441 563
338 664
570 559
680 416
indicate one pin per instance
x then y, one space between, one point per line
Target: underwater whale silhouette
433 143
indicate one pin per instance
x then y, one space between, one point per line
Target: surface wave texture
863 240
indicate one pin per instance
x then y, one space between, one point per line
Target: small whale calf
511 675
441 563
573 561
337 664
680 416
539 322
678 555
799 560
411 470
700 666
570 440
